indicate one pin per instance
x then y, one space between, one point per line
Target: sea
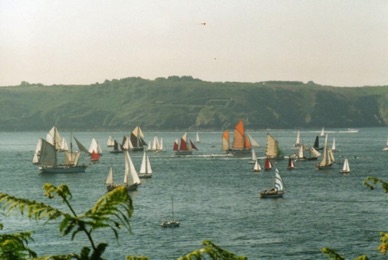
215 197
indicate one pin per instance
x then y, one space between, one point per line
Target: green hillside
177 103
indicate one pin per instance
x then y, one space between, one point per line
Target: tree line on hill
186 103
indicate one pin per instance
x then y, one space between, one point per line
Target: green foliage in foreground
112 211
370 182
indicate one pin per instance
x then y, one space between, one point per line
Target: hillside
179 103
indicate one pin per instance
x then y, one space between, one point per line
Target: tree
113 211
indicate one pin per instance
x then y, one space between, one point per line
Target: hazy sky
340 43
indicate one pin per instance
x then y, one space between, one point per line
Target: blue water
217 198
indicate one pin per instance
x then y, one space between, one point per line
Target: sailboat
267 164
316 144
254 156
272 149
131 178
197 140
241 145
94 151
345 167
173 222
116 148
110 185
110 142
291 164
300 155
137 140
256 167
314 154
35 158
333 148
322 132
184 146
328 157
297 141
156 145
145 168
277 191
48 157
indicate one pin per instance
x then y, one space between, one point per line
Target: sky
337 43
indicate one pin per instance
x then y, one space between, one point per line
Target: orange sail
240 140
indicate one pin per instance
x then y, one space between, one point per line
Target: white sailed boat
145 168
256 167
345 167
322 132
297 141
131 178
110 142
328 157
333 148
254 156
197 140
48 154
156 145
300 155
173 222
277 191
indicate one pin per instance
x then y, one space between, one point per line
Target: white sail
197 140
54 138
161 144
297 141
35 159
328 157
333 145
64 146
109 179
346 168
300 152
94 147
145 167
256 167
110 142
314 153
130 176
254 157
278 181
253 141
322 132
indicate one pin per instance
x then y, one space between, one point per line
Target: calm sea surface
217 198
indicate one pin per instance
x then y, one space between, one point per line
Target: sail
267 164
333 145
64 146
48 155
272 149
81 147
300 152
316 142
253 141
145 167
297 141
175 146
109 179
155 144
256 167
54 138
72 158
346 168
161 144
110 142
327 156
278 181
130 176
137 138
240 141
314 153
225 140
197 138
35 159
185 144
193 145
254 157
322 132
94 147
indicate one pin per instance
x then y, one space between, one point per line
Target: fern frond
35 210
213 251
